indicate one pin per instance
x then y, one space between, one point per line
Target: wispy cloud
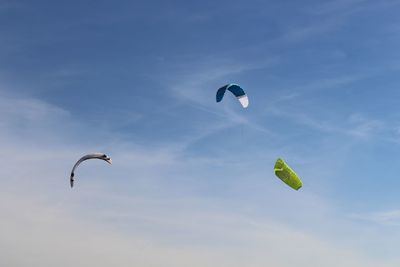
49 227
199 87
47 235
348 6
390 217
356 124
337 6
363 127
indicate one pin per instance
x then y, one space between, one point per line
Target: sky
192 181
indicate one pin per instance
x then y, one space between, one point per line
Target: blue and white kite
236 90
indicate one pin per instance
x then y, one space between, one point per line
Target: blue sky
192 182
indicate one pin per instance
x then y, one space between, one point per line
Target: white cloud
45 223
363 127
38 233
389 217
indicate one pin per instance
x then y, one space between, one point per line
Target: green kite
287 175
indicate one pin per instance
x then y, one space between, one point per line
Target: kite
89 156
287 175
236 90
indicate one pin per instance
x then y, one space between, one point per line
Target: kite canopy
287 175
236 90
86 157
